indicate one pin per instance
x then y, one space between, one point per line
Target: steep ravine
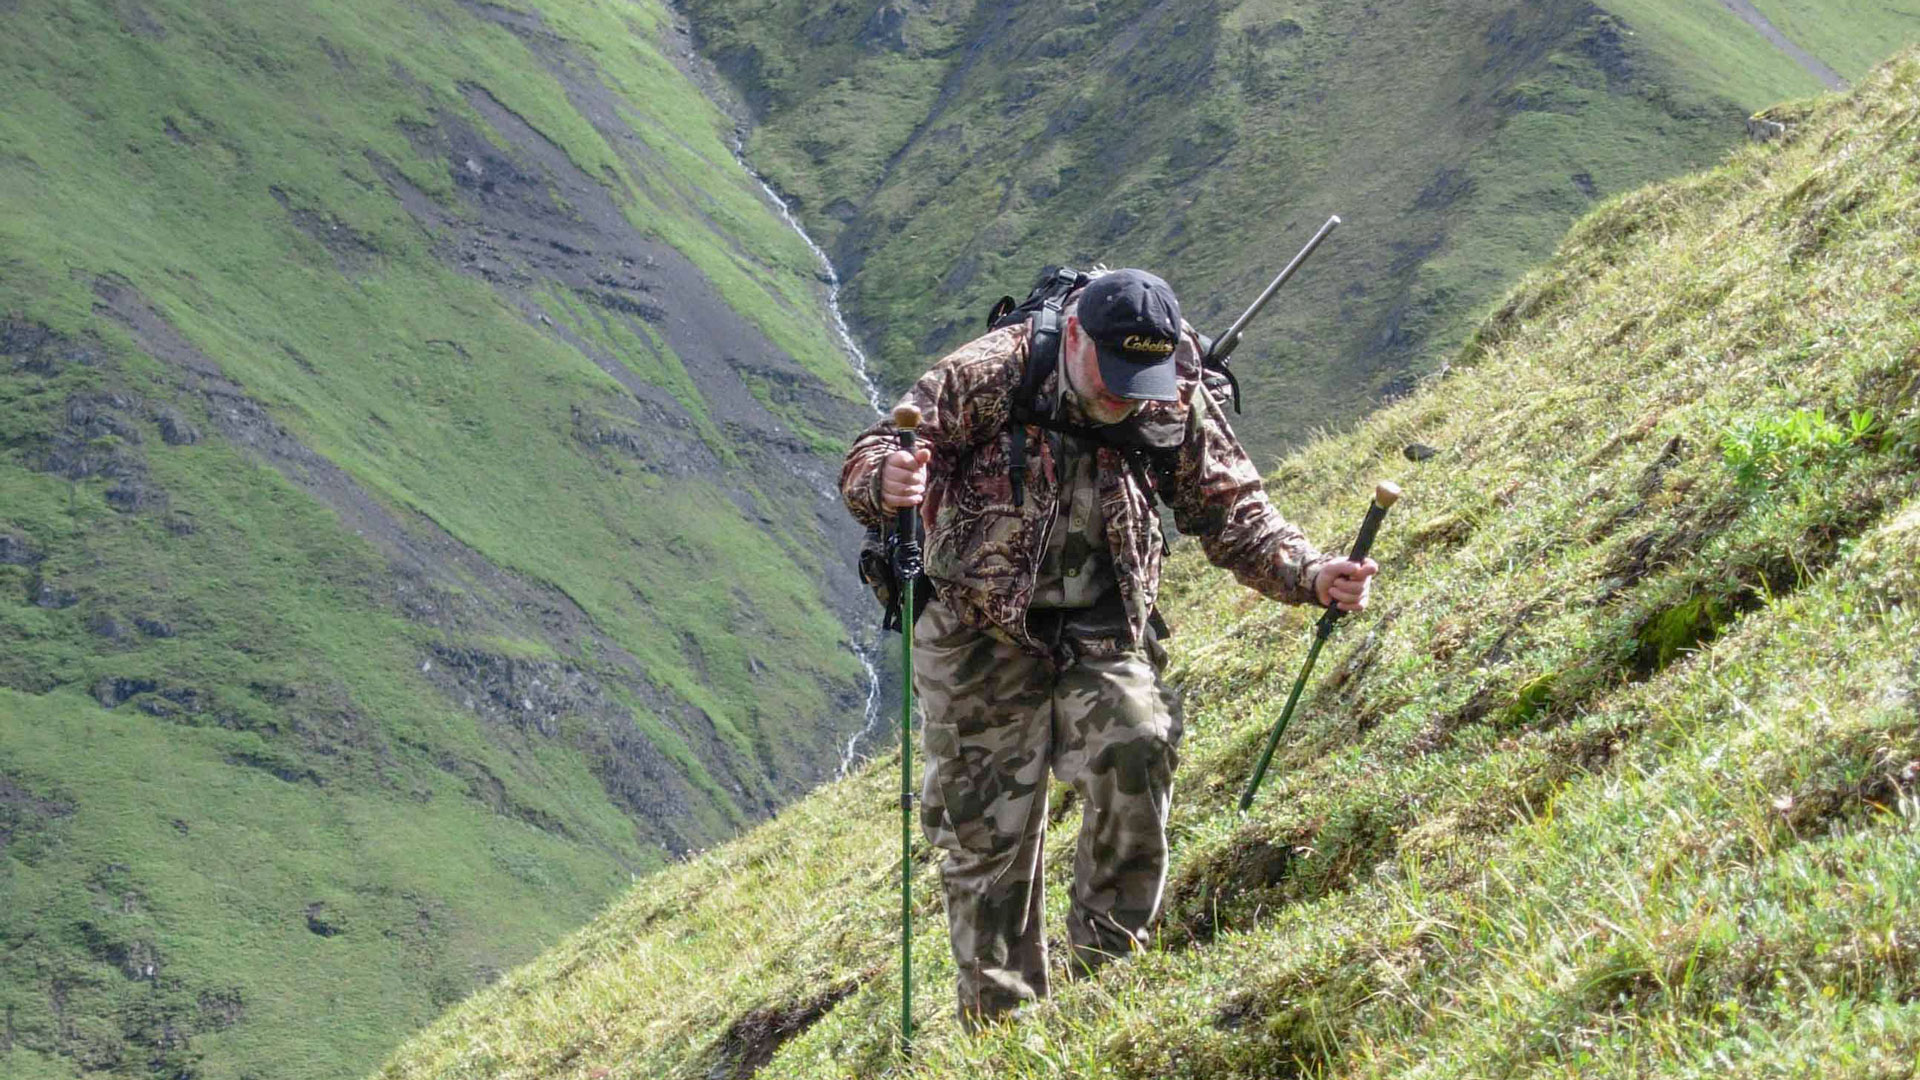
874 715
702 73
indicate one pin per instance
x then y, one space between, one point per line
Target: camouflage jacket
984 553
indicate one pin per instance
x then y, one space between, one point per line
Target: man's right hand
903 478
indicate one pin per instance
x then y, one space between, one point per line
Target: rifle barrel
1228 341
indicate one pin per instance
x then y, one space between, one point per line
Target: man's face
1082 366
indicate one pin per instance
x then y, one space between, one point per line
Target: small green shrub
1769 449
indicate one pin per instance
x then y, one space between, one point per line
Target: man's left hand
1345 582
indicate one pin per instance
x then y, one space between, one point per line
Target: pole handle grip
906 420
1385 494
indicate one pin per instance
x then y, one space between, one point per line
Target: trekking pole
906 568
1385 494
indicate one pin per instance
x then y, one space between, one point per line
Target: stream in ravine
874 722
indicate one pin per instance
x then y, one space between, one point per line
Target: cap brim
1137 382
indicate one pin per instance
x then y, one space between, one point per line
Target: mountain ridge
1457 143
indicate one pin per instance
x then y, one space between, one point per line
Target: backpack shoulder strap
1043 311
1043 356
1046 324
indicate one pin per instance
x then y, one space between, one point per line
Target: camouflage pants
996 721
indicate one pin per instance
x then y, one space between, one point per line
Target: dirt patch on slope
753 1039
353 251
27 817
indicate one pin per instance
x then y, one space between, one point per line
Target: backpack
1043 308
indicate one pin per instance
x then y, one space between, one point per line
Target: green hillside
1616 779
943 150
413 513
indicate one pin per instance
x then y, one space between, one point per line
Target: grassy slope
316 764
945 153
1618 778
1833 31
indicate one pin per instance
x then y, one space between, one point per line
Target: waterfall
874 719
854 352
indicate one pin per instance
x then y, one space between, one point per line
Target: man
1042 648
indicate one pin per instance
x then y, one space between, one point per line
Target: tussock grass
1618 778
